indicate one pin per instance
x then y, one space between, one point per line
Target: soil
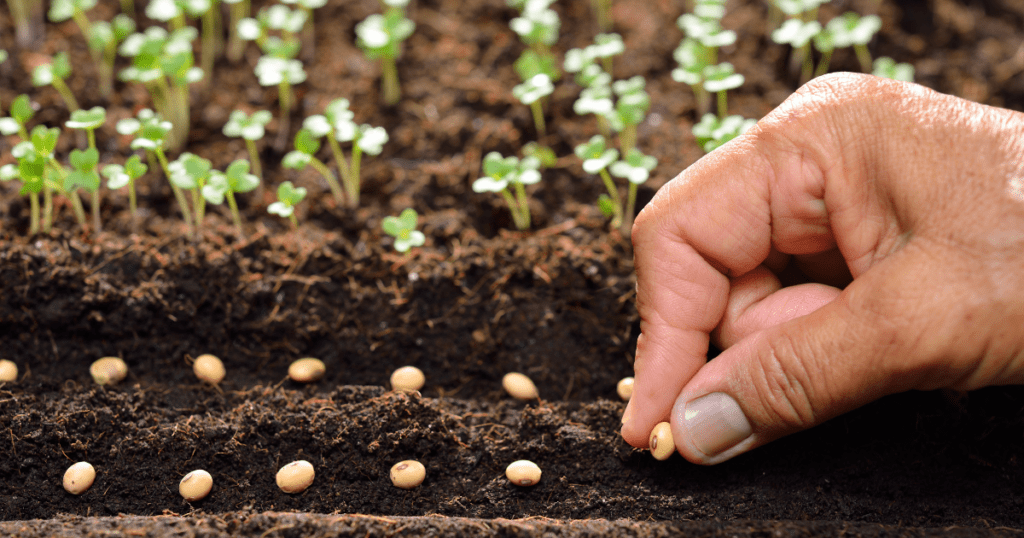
476 301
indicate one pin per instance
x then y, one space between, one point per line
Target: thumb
788 377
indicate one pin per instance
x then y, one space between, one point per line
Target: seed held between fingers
209 368
295 477
523 473
108 370
79 478
307 370
8 371
661 441
195 486
625 388
408 474
519 386
408 378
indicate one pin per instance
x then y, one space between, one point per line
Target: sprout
381 37
706 30
288 196
630 109
523 473
53 74
22 111
505 174
225 184
408 474
636 169
85 175
403 229
174 11
191 172
712 131
798 34
719 79
530 93
104 40
239 12
850 29
124 176
693 58
251 128
888 68
596 157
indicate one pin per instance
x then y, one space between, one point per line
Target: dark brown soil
477 301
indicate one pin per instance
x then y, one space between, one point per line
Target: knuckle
787 385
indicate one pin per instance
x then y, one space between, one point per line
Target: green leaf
392 226
408 218
239 178
290 194
306 142
135 167
21 109
44 139
606 205
87 119
61 65
84 160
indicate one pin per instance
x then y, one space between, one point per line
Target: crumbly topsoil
476 302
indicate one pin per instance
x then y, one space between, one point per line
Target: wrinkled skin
895 214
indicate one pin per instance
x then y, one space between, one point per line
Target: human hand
916 196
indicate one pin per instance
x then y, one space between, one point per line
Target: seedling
62 10
850 29
712 131
603 12
307 7
304 154
693 58
191 172
408 474
505 175
798 34
295 477
84 175
519 386
523 473
630 109
718 79
661 443
225 184
173 12
104 40
636 169
149 132
195 486
239 11
530 94
407 378
209 368
888 68
54 74
381 37
119 176
22 111
403 229
537 27
32 169
251 128
288 196
307 370
79 478
596 157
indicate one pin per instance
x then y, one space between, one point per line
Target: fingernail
627 415
715 423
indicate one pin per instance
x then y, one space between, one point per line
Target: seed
523 473
625 388
209 368
79 477
295 477
519 386
108 370
408 474
661 443
307 370
8 371
195 486
408 378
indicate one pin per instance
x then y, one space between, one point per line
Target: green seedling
694 58
288 196
165 65
103 41
119 176
708 31
886 67
712 131
41 170
403 229
54 74
275 31
149 131
850 29
283 73
530 94
636 169
85 174
597 157
805 10
225 184
630 109
304 154
825 44
191 172
505 175
62 10
251 128
173 13
381 37
22 111
709 9
798 34
307 7
718 79
30 170
236 46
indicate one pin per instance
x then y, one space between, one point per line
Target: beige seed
209 368
79 477
408 378
625 388
307 370
519 386
661 442
8 371
523 473
295 477
195 486
108 370
408 474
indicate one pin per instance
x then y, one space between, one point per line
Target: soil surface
476 301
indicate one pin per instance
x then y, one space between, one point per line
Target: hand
902 212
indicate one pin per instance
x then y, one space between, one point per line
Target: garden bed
476 301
